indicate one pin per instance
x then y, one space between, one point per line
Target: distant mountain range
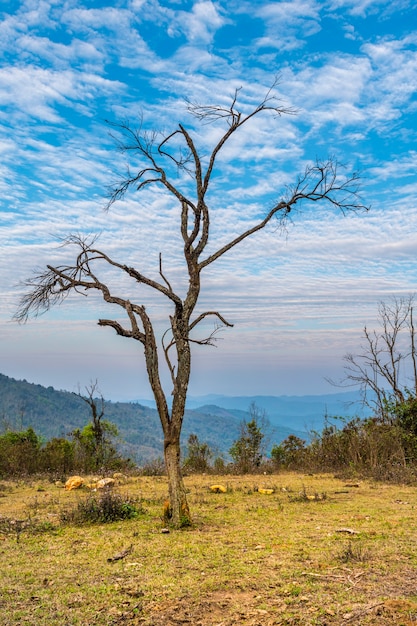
215 419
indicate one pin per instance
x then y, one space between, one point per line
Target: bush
58 456
291 453
102 509
91 453
198 456
23 453
219 465
371 447
19 452
247 451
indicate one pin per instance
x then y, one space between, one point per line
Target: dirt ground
257 609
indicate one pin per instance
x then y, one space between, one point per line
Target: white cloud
46 90
85 19
200 24
395 67
289 23
363 8
58 54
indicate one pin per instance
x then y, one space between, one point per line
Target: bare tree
96 436
97 410
386 369
158 156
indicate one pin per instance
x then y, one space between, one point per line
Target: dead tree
95 439
161 158
97 413
385 371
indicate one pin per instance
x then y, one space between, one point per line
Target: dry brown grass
285 558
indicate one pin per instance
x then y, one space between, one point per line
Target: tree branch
319 182
120 330
166 349
382 366
146 145
204 315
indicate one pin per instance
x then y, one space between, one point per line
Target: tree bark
178 506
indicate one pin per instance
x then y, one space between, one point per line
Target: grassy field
318 550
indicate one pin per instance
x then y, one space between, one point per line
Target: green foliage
247 451
219 465
289 453
58 455
278 456
19 452
24 453
28 436
404 414
93 452
371 447
101 509
198 456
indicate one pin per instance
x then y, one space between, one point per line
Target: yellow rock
266 492
74 482
218 489
105 483
119 477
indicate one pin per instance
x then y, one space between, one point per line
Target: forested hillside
53 413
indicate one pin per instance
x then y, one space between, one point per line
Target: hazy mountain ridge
215 419
302 413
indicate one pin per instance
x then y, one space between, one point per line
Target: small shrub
19 453
353 552
102 509
58 455
10 526
247 451
198 456
219 466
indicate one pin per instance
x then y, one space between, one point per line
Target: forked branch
319 182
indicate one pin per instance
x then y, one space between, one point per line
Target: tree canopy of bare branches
386 368
322 181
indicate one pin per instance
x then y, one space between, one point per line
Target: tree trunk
179 512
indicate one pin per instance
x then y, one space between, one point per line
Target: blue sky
298 299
